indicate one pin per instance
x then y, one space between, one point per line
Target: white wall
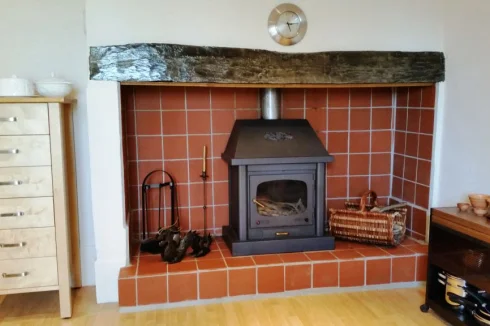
465 152
408 25
40 37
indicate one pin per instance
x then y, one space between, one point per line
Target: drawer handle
13 245
10 119
9 151
11 183
12 214
6 275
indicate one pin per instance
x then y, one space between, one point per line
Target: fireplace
356 123
276 188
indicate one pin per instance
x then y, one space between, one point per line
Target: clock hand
289 26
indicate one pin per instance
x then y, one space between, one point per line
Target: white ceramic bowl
14 86
53 87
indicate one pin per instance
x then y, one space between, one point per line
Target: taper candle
204 159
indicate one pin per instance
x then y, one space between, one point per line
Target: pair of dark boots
173 249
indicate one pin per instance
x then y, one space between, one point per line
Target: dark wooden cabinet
459 244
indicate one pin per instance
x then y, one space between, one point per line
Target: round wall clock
287 24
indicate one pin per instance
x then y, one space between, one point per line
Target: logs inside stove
276 188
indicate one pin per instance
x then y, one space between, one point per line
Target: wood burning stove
276 188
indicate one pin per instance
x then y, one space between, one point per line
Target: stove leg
424 307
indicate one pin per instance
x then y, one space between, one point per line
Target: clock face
288 24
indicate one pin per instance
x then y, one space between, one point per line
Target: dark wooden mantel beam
187 65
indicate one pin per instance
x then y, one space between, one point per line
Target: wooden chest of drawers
38 209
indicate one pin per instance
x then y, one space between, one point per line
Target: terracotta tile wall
166 128
414 129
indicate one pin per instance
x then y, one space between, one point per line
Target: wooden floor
389 307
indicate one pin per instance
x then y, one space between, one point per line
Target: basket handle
364 199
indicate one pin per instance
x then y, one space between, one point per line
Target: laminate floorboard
386 307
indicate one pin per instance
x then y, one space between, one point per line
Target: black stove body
276 188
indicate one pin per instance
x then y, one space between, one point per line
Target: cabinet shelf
476 278
456 251
441 308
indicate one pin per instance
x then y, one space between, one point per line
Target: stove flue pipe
270 103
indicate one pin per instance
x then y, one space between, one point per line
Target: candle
204 159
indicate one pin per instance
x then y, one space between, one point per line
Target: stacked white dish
49 87
15 86
53 87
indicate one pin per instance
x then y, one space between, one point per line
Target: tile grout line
338 273
332 176
365 272
212 181
405 147
198 290
188 165
394 97
163 158
326 125
348 146
218 157
370 137
256 279
418 149
415 272
311 274
391 269
227 280
415 158
225 134
326 165
293 108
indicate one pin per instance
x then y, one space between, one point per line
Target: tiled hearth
150 281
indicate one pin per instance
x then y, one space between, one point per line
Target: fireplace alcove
393 90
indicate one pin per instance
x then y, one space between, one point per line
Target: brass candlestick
204 177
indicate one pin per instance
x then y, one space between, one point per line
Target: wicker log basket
358 223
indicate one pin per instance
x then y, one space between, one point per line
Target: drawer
24 119
19 213
27 243
24 151
28 273
26 182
